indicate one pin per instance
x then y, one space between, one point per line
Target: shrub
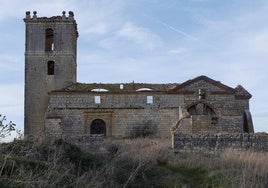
6 128
83 161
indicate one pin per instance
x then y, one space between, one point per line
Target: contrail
172 28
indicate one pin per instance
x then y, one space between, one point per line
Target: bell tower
50 64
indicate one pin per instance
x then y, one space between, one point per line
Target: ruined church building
57 105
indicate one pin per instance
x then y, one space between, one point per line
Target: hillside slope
126 163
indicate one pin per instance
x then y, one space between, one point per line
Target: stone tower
50 64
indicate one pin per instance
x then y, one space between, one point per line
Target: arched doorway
98 126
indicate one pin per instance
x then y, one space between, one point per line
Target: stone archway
98 126
204 118
200 109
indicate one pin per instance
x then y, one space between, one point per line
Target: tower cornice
49 20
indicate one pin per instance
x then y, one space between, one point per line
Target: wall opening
247 122
97 99
50 68
98 126
49 40
201 94
150 100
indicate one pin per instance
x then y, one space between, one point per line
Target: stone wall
37 80
229 111
125 110
119 122
122 113
109 100
186 142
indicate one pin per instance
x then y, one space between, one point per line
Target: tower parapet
54 19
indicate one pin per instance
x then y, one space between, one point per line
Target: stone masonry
56 105
213 143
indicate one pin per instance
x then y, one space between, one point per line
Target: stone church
57 105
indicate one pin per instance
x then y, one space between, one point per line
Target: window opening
201 94
245 123
97 99
150 99
52 47
49 40
121 86
50 67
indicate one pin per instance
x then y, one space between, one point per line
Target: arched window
49 40
50 67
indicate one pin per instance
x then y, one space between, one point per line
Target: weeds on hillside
140 162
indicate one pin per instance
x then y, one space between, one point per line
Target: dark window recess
245 124
49 40
50 67
98 126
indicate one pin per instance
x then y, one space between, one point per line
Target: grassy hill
140 162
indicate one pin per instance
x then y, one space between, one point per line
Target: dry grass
253 165
139 162
143 149
231 168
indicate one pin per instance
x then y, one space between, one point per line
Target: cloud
11 94
8 62
139 35
259 41
172 28
11 103
97 29
178 31
178 50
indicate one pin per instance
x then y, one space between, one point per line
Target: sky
148 41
